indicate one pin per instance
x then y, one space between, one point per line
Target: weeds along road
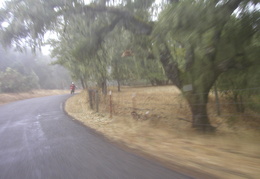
38 140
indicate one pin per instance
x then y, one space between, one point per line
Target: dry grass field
158 130
10 97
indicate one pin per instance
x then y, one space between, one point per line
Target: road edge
139 153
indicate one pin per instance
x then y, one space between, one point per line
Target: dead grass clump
10 97
160 133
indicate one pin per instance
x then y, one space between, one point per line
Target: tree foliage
13 81
26 71
214 39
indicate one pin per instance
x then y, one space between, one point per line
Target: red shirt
72 86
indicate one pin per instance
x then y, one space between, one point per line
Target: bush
12 81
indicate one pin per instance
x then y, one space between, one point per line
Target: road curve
39 141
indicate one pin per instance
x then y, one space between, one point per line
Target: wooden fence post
134 101
97 100
90 98
110 104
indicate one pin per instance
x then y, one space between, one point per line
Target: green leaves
13 81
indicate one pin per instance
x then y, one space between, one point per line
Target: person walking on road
72 88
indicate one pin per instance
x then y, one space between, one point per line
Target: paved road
39 141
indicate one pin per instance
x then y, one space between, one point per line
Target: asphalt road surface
39 141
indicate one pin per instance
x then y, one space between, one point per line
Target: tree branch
227 8
189 57
130 22
228 63
105 30
170 67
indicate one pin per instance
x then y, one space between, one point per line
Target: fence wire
152 105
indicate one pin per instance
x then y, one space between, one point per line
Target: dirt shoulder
223 155
11 97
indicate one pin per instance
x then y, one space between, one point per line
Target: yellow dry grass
160 134
10 97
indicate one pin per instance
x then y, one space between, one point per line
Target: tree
214 41
12 81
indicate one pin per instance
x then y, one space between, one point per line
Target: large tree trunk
198 106
197 98
201 84
104 87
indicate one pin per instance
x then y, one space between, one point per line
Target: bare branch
228 63
130 22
